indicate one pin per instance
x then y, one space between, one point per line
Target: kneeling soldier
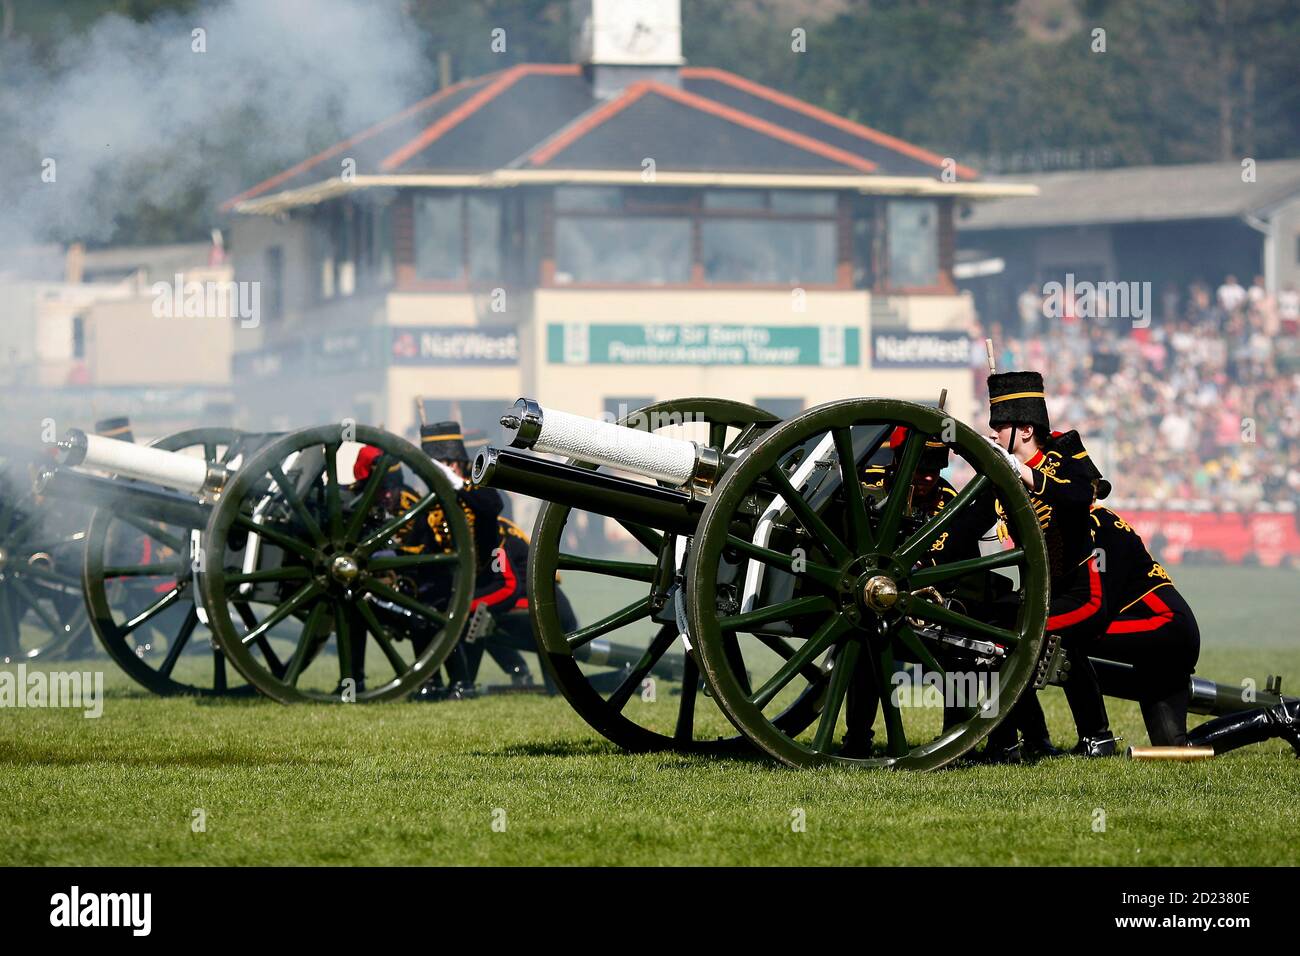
498 585
1149 625
1061 492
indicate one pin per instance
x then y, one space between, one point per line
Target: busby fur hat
934 456
443 441
1070 445
1017 398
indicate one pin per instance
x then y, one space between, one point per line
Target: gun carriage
792 590
262 561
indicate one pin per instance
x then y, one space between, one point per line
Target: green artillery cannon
761 553
790 587
263 561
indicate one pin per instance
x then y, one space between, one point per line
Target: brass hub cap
344 568
880 593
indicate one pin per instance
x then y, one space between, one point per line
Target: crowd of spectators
1199 409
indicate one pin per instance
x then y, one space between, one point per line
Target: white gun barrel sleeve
166 468
644 453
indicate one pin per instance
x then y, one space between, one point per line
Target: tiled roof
544 116
1141 194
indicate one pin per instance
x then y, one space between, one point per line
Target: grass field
424 784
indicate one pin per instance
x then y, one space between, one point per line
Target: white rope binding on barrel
604 443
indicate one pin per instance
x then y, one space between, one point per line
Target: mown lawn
424 784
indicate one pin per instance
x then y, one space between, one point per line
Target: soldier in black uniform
1152 627
498 582
1060 490
1148 624
930 490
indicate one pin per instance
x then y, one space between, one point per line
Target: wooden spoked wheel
329 566
845 575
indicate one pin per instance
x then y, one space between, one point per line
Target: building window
643 236
641 251
484 240
864 213
802 202
351 249
767 251
438 230
734 199
378 240
343 236
913 239
589 198
458 237
78 337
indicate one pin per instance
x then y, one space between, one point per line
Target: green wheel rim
829 611
605 709
149 639
336 528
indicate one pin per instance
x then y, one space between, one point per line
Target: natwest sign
442 345
920 350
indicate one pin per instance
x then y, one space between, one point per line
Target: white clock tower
622 41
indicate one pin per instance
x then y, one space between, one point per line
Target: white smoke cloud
131 113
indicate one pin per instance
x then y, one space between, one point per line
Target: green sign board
680 344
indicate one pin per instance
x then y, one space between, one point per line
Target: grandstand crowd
1200 409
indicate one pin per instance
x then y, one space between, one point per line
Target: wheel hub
344 568
880 593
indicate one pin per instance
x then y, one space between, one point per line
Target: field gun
791 591
262 542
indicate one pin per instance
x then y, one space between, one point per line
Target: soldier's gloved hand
1009 458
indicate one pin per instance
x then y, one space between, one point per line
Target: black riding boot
861 707
1166 718
1252 727
1029 718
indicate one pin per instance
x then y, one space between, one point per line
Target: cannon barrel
603 653
600 652
645 453
165 468
144 501
589 490
1204 695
